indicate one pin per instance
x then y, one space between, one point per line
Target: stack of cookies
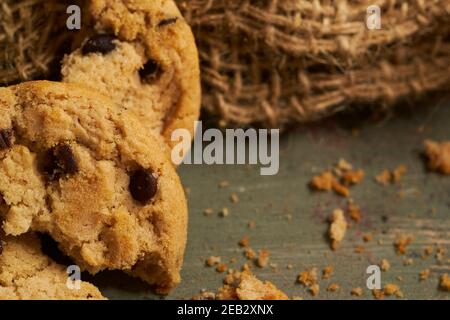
87 160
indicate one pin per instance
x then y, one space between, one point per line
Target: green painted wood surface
291 220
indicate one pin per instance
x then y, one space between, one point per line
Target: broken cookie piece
438 156
338 228
245 286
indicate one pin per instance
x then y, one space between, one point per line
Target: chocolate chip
143 185
59 161
6 136
101 43
167 22
150 71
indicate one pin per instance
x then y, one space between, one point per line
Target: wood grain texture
291 220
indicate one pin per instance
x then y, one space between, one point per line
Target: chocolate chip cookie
27 274
143 55
75 166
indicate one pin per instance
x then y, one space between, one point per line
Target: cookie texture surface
143 55
27 274
73 165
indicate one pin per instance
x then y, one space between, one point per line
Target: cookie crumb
408 261
356 292
333 287
338 228
251 224
378 294
360 249
401 243
322 182
208 212
398 173
424 274
221 267
327 272
367 237
212 261
438 156
341 189
225 212
444 282
263 258
234 198
224 184
314 289
250 253
384 177
245 286
245 241
308 278
385 265
392 289
353 177
354 212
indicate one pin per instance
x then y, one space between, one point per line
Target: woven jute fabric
32 35
276 62
271 62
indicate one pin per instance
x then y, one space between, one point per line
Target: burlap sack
271 62
275 62
33 37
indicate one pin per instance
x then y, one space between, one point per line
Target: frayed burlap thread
277 62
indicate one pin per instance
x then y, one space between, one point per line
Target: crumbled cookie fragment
438 155
378 294
224 184
333 287
323 182
357 292
354 212
444 282
314 289
251 224
424 274
367 237
308 278
440 253
338 227
327 272
234 198
343 165
221 268
250 253
408 261
398 173
225 212
392 289
341 189
428 251
245 241
245 286
263 258
205 295
360 249
401 243
384 177
212 261
353 177
208 212
385 265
